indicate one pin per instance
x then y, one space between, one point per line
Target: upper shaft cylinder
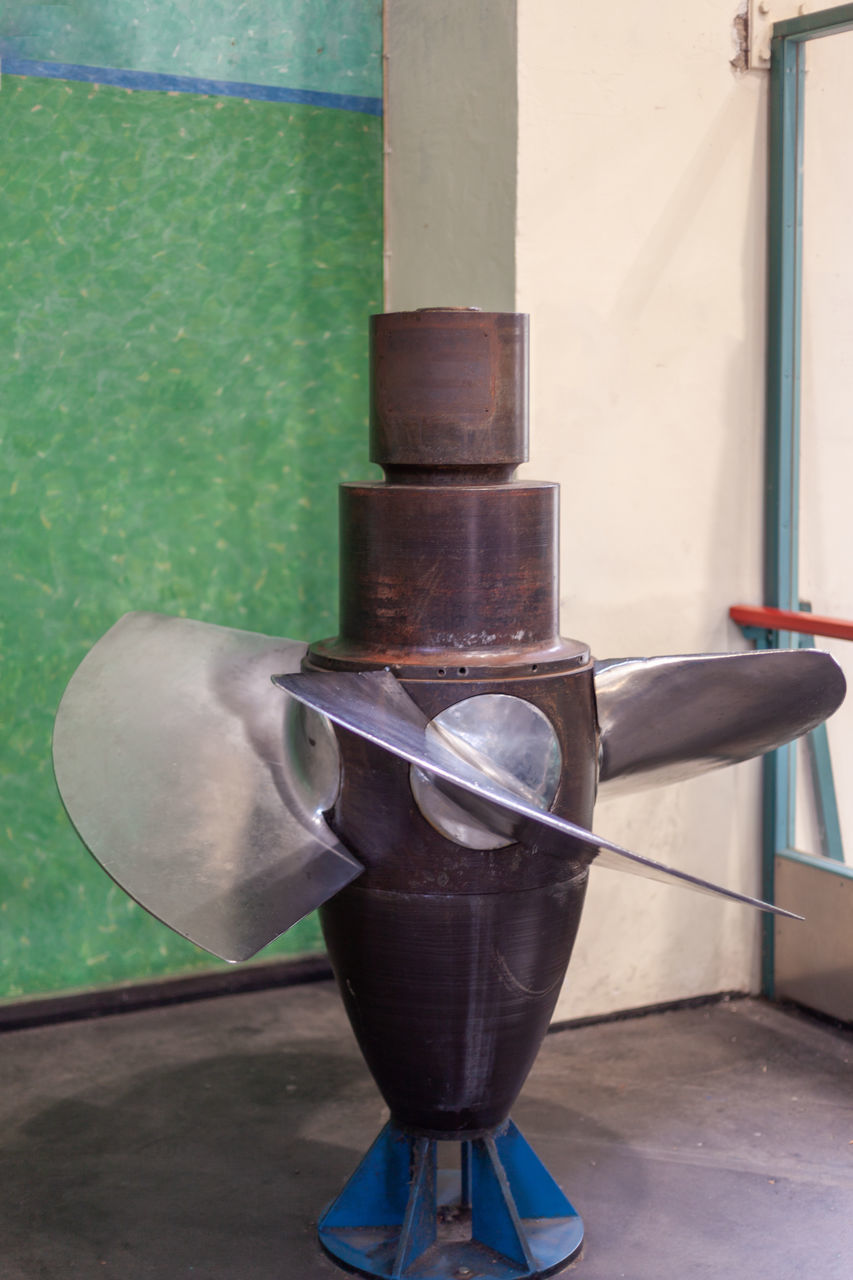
449 562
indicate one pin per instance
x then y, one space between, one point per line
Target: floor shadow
211 1170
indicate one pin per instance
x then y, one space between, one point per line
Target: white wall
640 255
639 252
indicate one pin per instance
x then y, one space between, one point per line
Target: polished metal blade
376 706
170 757
666 719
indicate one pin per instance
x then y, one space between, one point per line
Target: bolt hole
535 666
441 671
463 671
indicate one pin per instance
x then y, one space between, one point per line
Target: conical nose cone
450 996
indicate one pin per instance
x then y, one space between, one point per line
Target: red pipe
811 624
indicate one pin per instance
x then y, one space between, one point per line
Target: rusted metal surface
449 567
448 575
449 389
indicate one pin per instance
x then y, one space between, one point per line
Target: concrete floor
202 1140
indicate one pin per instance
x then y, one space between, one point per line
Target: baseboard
643 1011
132 996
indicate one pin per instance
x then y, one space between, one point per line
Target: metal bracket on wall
762 15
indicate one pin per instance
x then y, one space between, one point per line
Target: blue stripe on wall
328 46
157 82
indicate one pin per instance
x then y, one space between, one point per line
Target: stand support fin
500 1216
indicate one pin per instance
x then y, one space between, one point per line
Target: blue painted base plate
501 1216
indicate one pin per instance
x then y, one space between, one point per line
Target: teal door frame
784 327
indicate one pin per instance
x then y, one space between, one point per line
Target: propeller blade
170 757
375 705
666 719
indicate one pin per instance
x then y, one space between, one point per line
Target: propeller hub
510 741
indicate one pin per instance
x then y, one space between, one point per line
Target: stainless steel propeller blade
170 756
376 706
666 719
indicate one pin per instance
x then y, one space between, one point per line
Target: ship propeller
203 793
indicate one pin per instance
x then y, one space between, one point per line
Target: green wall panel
334 46
183 367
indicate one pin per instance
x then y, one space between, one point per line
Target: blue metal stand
500 1216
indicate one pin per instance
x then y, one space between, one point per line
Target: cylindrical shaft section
449 389
449 568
